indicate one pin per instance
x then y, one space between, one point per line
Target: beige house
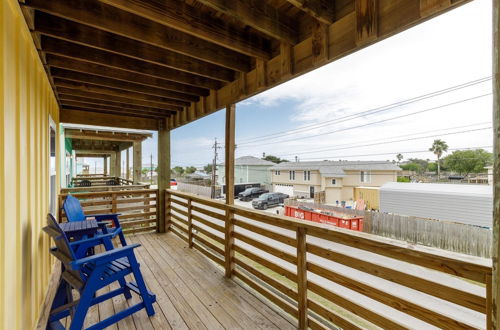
336 178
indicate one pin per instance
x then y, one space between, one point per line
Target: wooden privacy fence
451 236
326 276
137 207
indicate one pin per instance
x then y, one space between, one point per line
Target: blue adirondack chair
89 274
74 212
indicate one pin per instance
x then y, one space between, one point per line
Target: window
307 175
292 175
334 182
277 173
365 176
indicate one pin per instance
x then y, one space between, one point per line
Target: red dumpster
327 217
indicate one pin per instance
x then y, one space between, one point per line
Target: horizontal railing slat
208 223
330 315
208 234
265 232
266 248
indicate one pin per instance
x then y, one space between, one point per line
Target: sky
344 105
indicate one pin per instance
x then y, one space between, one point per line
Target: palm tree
438 148
399 157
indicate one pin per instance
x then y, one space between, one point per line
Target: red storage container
348 222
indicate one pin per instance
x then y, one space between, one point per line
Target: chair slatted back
64 251
73 209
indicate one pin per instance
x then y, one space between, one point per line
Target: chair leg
141 285
122 238
126 290
82 308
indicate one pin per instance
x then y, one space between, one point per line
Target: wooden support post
302 277
366 22
163 203
190 223
105 167
112 162
229 173
118 164
489 292
137 161
495 295
127 165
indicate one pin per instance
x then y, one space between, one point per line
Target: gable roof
336 168
251 161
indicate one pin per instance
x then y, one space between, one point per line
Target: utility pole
151 169
214 164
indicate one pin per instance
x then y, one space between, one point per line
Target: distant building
336 178
247 169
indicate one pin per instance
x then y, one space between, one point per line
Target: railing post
489 296
168 200
302 276
229 241
113 203
190 223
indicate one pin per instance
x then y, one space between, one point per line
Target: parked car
269 200
251 193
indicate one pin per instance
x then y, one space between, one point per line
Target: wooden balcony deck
192 293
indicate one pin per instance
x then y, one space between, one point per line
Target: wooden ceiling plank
68 49
65 97
104 119
366 21
119 84
111 108
118 92
97 110
56 61
322 10
192 20
259 15
79 33
111 19
100 96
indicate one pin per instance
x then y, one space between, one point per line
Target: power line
354 144
376 122
371 111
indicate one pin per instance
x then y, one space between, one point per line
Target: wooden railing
100 180
326 276
137 207
103 188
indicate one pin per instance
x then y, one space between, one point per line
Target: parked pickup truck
251 193
269 200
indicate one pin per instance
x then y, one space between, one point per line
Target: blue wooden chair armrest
105 257
93 241
103 216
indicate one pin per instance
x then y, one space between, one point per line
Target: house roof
251 161
336 168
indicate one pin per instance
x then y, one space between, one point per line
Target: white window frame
277 173
291 175
334 182
365 176
307 175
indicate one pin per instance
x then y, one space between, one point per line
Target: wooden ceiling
132 63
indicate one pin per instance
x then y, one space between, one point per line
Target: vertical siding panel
2 170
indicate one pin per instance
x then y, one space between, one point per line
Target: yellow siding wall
26 101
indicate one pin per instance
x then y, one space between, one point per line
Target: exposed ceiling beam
111 19
103 136
68 49
65 97
322 10
75 32
101 96
57 61
259 15
117 109
59 82
120 84
192 20
105 119
113 112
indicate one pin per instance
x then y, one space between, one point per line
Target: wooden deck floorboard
191 292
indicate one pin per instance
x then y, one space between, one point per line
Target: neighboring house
336 178
247 169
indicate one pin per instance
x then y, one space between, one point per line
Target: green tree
399 157
145 170
416 167
275 159
422 162
438 148
178 170
208 168
190 169
465 162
